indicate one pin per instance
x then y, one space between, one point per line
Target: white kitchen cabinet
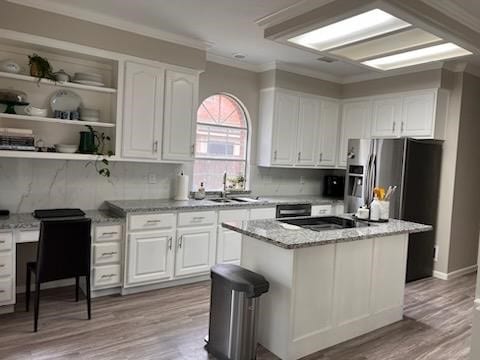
195 252
143 111
284 128
386 116
355 124
418 114
307 131
229 243
150 257
181 101
328 133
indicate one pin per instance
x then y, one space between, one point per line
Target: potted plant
94 142
40 67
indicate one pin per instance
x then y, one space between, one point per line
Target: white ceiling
226 26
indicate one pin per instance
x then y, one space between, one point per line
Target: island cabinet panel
313 296
353 271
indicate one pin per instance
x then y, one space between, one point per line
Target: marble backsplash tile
28 184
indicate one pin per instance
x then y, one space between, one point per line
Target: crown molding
457 12
113 22
299 70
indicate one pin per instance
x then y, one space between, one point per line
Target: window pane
210 172
219 142
221 110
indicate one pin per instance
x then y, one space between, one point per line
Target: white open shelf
57 83
56 121
48 155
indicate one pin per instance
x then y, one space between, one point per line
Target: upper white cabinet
284 126
355 124
297 129
159 113
181 100
328 132
143 111
386 116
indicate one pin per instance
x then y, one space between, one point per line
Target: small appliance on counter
334 186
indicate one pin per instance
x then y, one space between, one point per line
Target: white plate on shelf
88 82
65 100
90 118
66 149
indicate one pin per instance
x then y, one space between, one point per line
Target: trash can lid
240 279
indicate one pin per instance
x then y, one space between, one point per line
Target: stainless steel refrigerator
414 167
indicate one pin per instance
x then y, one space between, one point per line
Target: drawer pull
110 233
2 265
2 241
2 291
109 253
107 276
153 221
198 218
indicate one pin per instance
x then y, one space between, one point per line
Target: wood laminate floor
171 324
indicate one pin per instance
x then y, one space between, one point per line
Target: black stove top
325 223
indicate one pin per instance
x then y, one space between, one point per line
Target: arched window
222 143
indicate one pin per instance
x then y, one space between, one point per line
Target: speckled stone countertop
274 232
27 221
131 206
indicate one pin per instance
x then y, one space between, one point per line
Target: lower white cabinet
150 257
195 252
229 246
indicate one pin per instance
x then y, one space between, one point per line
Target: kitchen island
325 286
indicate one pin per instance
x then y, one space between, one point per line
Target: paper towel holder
181 184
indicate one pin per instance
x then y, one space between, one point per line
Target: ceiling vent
326 59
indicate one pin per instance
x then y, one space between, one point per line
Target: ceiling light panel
360 27
419 56
404 40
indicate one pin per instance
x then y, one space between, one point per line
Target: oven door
284 211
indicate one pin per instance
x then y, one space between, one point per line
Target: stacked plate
88 79
89 114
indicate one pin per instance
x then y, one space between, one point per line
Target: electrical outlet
435 253
152 178
302 180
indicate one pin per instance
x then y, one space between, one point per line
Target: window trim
248 128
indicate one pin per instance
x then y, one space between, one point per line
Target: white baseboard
455 274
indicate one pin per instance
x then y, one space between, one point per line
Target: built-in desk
107 239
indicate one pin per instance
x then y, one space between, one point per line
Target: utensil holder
384 210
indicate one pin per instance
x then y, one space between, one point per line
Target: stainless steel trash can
234 311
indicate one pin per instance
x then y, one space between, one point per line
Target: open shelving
69 84
57 121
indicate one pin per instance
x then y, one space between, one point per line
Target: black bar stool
64 249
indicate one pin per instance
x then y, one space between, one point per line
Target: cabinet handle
110 233
153 221
321 157
299 155
170 243
180 239
401 127
155 146
107 276
393 127
2 241
275 155
193 149
2 265
109 253
2 291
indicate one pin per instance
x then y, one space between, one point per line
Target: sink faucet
224 192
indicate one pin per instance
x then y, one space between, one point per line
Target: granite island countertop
291 237
123 207
27 221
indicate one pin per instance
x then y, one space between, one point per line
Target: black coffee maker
334 186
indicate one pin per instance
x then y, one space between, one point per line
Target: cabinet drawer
108 233
319 210
6 241
197 218
5 263
232 215
106 253
28 236
6 290
151 221
106 275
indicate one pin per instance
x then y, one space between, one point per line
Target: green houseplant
94 142
40 67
